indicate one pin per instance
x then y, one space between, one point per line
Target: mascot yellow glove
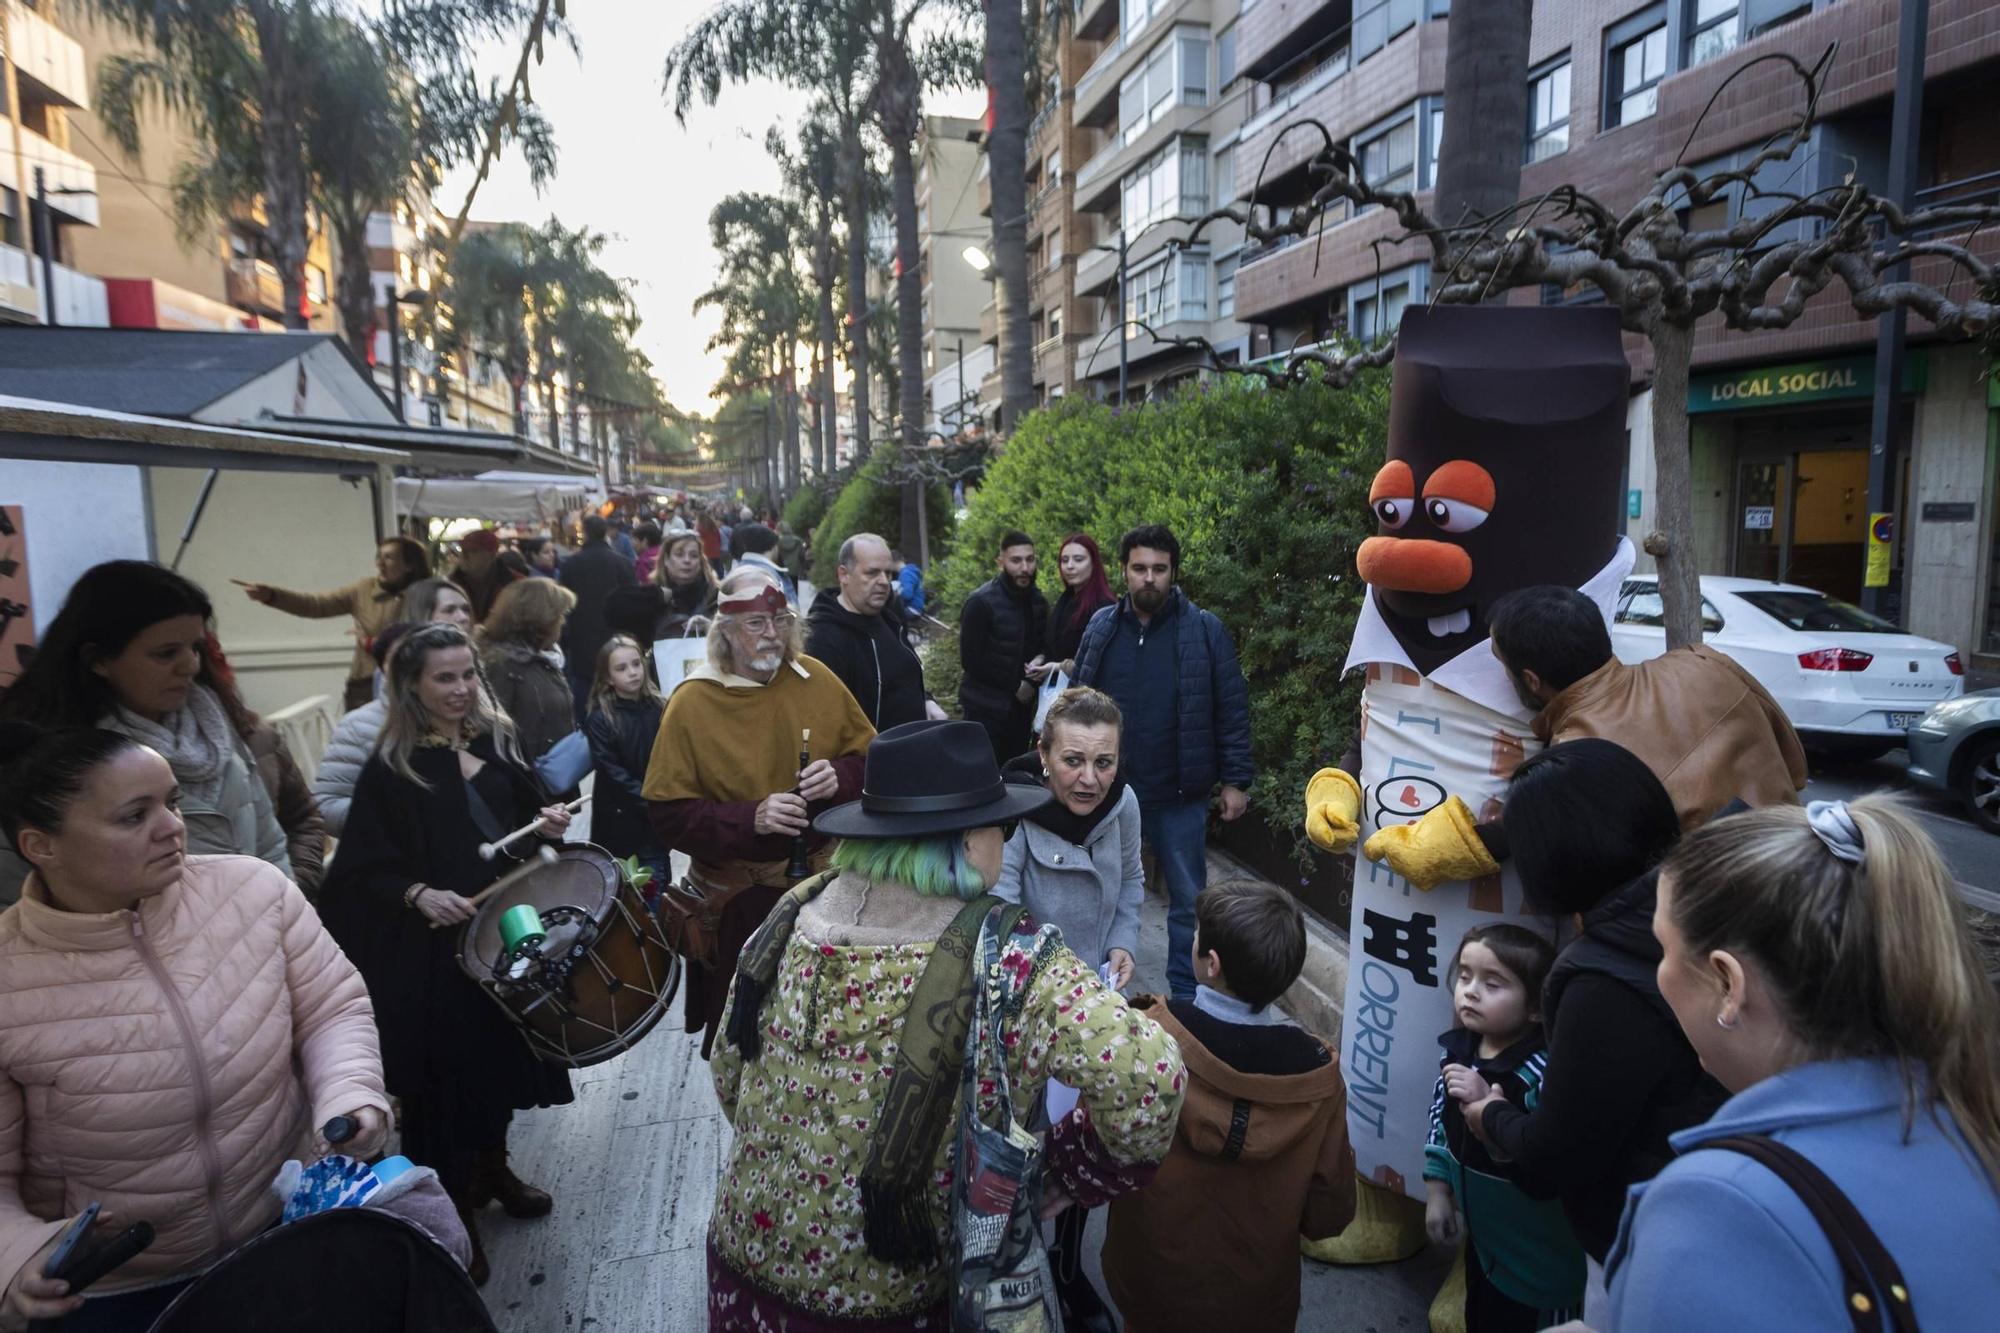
1441 847
1333 809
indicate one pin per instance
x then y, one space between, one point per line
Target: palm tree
241 75
766 308
824 46
1007 161
812 178
1485 84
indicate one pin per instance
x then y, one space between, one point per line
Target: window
1548 112
1375 307
1642 606
1055 322
1225 289
1434 131
1170 290
315 284
1637 63
1172 182
1132 14
1054 176
1377 22
1712 28
1175 73
1389 158
1055 246
1225 58
1225 175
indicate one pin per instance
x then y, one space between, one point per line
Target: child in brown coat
1260 1157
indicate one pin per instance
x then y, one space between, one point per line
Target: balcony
1097 83
1094 18
1305 272
1052 361
254 284
1274 33
71 181
1097 180
1096 269
1409 67
48 61
1097 353
80 299
1048 116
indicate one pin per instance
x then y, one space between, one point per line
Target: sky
627 168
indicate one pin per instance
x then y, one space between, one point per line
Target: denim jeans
1176 833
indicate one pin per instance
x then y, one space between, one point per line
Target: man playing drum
726 785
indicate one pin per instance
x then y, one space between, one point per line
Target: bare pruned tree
1664 273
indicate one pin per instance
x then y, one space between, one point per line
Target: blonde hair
1080 706
602 693
721 653
528 611
420 599
1869 960
667 546
405 720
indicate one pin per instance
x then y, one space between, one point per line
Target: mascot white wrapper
1506 445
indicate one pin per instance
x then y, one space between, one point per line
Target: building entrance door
1801 500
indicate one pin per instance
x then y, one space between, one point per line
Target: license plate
1903 721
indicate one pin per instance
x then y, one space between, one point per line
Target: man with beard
860 635
726 787
1172 668
479 571
1000 630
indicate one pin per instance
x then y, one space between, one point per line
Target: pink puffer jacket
146 1061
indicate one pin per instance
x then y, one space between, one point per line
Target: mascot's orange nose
1412 564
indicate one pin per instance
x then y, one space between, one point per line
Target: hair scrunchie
1832 825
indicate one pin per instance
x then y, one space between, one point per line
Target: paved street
1973 853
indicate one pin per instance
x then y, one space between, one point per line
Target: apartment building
469 392
48 194
152 278
1617 89
1135 137
956 361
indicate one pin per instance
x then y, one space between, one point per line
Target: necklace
433 739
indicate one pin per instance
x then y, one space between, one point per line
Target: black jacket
999 632
872 658
591 574
1621 1076
649 612
532 692
621 744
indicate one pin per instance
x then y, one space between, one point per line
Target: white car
1850 681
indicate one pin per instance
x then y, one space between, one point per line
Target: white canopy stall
501 497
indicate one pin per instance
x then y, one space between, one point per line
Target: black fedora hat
930 777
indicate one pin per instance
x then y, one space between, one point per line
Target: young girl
625 709
1524 1269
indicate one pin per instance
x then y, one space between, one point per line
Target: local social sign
1802 382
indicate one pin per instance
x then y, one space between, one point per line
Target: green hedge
1268 493
807 507
872 501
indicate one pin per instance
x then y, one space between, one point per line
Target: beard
765 663
1150 600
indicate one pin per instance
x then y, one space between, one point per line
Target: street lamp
981 261
397 300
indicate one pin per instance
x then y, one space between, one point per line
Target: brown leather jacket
1697 719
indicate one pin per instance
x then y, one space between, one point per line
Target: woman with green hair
844 1111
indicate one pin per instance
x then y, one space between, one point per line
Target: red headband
766 598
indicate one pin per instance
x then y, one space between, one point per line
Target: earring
1727 1025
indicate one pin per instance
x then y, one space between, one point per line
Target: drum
597 974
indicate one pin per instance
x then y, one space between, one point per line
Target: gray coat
1090 893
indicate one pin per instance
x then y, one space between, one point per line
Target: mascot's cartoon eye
1394 513
1451 515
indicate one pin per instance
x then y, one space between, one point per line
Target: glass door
1763 492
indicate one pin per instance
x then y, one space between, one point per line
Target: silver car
1955 748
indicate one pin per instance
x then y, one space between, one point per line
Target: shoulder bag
1875 1294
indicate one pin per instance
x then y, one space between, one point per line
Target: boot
477 1270
491 1179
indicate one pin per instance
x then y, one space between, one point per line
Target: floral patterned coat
788 1217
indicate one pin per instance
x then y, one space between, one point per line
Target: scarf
1241 1012
1056 817
196 738
915 1113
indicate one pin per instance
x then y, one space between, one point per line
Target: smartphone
86 1268
67 1245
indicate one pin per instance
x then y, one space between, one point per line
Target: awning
442 450
66 433
503 497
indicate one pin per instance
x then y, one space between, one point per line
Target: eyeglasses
761 624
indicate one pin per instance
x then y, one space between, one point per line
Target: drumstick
489 850
518 873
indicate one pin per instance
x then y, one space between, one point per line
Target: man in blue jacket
1172 668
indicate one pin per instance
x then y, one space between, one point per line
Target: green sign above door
1827 380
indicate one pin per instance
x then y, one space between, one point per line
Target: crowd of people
190 987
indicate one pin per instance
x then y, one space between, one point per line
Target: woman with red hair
1084 590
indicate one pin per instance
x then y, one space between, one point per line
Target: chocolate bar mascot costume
1506 443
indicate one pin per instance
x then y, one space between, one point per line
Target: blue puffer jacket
1214 699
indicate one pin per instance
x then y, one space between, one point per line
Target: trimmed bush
1268 493
806 508
872 501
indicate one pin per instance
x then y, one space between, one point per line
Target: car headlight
1944 713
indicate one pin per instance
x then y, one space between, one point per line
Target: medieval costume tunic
726 742
458 1063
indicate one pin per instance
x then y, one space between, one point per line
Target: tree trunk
854 169
354 290
829 341
1672 541
1485 86
281 147
791 383
909 285
818 420
1007 153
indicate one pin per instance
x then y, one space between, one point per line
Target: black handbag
1872 1283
